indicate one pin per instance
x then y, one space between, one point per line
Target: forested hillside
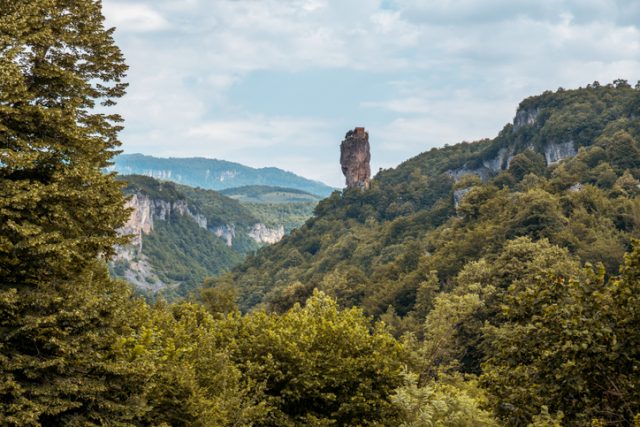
439 211
269 194
181 235
497 259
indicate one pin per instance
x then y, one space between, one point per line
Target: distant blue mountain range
213 174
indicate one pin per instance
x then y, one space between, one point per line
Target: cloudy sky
279 82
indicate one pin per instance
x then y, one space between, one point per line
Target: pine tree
58 210
60 313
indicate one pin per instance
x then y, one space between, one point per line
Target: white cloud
408 105
441 71
136 17
248 132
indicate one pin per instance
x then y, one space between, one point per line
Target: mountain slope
565 170
182 235
269 194
213 174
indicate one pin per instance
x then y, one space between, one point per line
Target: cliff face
139 268
263 234
355 157
146 210
553 151
525 117
140 221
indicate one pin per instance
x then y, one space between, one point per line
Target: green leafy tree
571 345
454 402
527 162
320 365
192 378
58 209
58 364
59 311
219 296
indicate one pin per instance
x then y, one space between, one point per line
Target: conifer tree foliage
57 211
59 311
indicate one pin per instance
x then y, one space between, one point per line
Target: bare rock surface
355 157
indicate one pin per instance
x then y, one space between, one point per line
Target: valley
180 235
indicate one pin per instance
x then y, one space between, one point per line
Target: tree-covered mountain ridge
553 124
499 265
213 174
556 172
180 235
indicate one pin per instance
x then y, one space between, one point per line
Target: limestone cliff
553 151
263 234
226 232
144 211
525 117
355 157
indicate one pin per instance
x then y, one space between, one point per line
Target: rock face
144 211
554 152
226 232
263 234
525 117
355 157
140 221
459 194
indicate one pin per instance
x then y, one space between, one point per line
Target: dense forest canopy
483 284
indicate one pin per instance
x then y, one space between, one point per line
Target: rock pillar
355 158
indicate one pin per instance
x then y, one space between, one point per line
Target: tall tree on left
59 311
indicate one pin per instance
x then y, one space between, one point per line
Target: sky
280 82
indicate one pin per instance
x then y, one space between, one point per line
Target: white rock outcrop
525 117
459 194
263 234
554 152
226 232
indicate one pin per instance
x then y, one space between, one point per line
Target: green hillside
382 243
269 194
196 233
497 260
276 205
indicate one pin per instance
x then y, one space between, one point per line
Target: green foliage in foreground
318 365
568 344
57 360
512 329
115 359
